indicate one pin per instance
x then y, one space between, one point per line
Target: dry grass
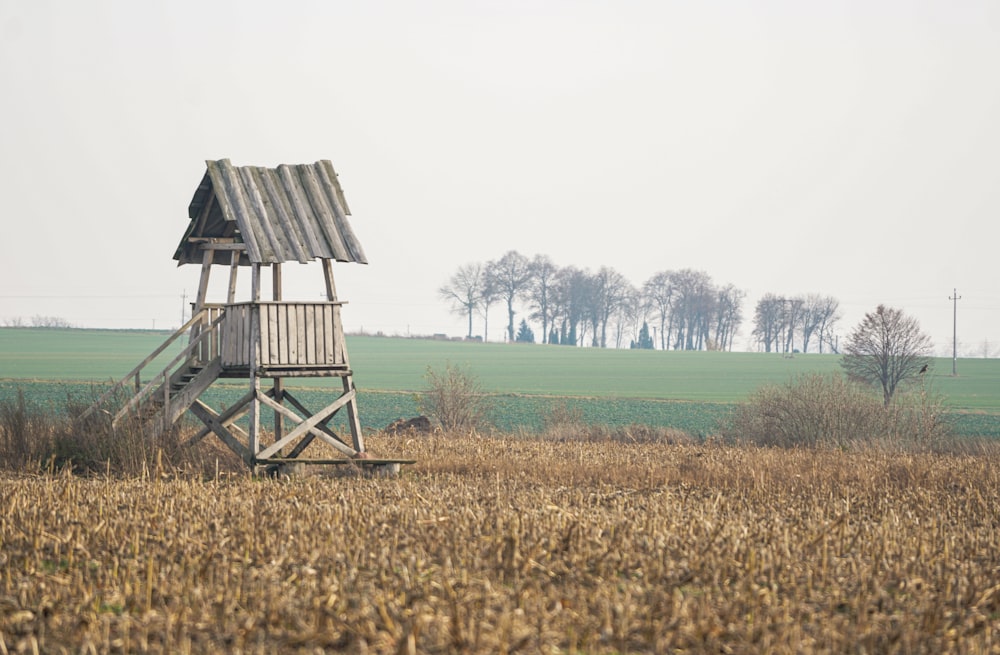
515 545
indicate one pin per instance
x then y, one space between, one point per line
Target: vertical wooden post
347 380
255 282
234 267
254 431
199 301
331 288
206 269
278 387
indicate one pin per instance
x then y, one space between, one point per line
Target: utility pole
954 298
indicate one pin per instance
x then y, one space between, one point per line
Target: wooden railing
276 335
283 335
201 344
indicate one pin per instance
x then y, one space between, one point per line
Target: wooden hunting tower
256 217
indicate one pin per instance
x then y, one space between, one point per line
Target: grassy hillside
388 364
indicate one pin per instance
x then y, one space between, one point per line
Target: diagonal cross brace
226 418
212 420
307 426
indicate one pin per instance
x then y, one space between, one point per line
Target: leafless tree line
577 307
38 322
788 325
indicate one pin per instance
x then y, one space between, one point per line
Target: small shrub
455 398
826 410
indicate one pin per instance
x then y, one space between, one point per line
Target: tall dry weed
34 437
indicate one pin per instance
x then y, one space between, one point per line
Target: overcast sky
850 149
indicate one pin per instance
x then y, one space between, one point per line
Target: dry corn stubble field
515 545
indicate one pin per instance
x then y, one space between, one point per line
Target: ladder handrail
166 372
197 318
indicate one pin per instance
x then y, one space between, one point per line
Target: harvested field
504 545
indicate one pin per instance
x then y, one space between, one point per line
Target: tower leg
352 416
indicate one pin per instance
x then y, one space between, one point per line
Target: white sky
847 148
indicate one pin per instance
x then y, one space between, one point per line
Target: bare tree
792 317
609 289
887 348
767 319
488 295
464 291
543 274
818 312
659 295
570 299
692 308
510 276
50 322
628 317
728 315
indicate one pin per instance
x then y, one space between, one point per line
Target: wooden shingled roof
284 214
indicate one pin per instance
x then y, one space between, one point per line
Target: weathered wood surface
291 213
308 425
136 373
292 334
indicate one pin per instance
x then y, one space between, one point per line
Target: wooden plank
326 173
291 337
340 345
306 426
206 270
334 462
329 351
324 213
322 425
331 287
309 338
234 267
302 212
226 418
255 282
319 326
301 335
302 445
254 431
278 393
326 336
234 315
247 351
235 248
217 426
276 282
183 400
273 334
163 376
257 219
206 209
271 182
264 345
134 373
353 421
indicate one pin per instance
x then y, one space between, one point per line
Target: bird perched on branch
923 369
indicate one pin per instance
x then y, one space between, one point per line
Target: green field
688 390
